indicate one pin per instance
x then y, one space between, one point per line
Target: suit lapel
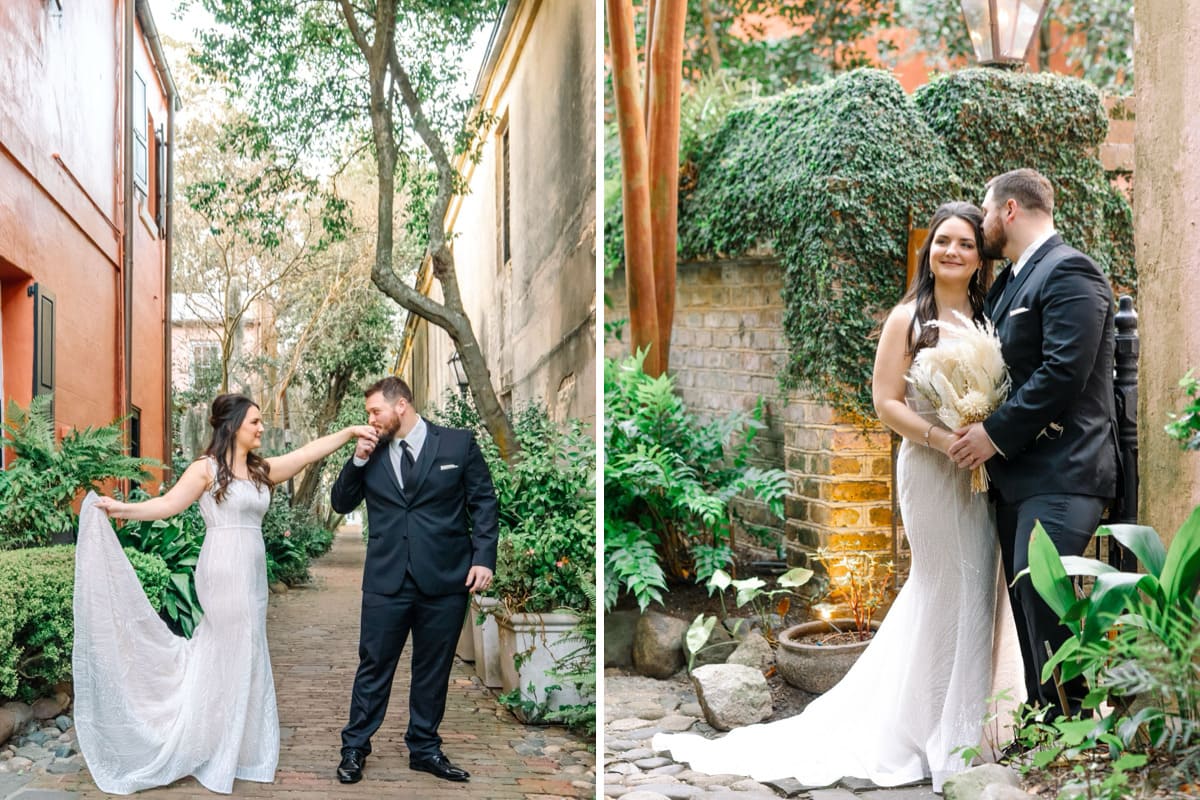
1010 292
429 453
996 292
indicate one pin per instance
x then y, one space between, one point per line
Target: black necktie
406 466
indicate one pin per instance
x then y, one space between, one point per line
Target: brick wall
728 347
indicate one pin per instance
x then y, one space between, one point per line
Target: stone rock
21 712
1002 791
32 752
658 645
642 794
651 762
754 651
618 638
627 724
18 763
63 723
51 707
63 751
969 784
676 723
8 724
732 695
67 766
38 737
720 646
278 587
749 785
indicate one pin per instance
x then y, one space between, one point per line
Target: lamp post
459 372
1002 31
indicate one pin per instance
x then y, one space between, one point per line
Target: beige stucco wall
534 316
1165 205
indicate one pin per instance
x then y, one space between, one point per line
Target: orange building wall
60 212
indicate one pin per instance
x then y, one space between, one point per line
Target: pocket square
448 466
1016 311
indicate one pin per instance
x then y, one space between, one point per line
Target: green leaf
699 632
1042 758
1181 571
1047 573
1141 540
720 581
748 589
797 576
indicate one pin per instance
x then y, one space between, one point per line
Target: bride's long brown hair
226 416
921 291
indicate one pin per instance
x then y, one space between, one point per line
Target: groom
1051 449
431 512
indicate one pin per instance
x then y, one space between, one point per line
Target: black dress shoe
437 764
350 770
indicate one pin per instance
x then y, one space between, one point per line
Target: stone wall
727 349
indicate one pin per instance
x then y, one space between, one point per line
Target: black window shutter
160 181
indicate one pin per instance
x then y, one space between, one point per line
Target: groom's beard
387 434
994 242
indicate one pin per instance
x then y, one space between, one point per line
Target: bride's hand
367 439
108 505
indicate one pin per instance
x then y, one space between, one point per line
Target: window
206 359
141 150
135 433
43 341
502 199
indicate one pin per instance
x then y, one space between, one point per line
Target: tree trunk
710 34
450 316
335 392
635 187
665 77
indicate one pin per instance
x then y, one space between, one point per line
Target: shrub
39 486
669 482
177 541
36 615
292 537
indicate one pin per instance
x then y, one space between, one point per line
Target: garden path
313 635
636 708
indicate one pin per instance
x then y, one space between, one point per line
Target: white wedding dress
922 688
151 707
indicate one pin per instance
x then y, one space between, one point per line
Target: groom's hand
478 579
973 447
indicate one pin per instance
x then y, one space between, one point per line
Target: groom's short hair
393 389
1030 188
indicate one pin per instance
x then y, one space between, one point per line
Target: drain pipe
127 224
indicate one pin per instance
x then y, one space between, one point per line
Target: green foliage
829 177
39 486
1049 122
177 542
779 45
1184 427
292 536
749 591
37 615
1132 633
546 557
1096 37
669 483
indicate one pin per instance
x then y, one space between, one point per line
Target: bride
920 692
151 707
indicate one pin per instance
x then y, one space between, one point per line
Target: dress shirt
1029 251
415 440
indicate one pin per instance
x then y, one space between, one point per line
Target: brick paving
313 635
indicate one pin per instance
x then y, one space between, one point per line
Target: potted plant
485 638
815 655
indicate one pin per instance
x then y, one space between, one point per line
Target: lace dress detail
151 707
921 689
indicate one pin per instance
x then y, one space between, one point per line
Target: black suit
421 543
1057 431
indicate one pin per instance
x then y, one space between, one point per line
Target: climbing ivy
827 177
991 121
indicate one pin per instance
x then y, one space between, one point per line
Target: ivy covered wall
828 179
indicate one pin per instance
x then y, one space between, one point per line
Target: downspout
150 31
127 224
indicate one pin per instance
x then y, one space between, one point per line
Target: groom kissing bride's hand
432 532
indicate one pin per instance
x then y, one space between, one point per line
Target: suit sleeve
1074 310
481 502
347 491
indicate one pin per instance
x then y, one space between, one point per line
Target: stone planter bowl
816 668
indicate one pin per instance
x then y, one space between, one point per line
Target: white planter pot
486 640
530 647
465 649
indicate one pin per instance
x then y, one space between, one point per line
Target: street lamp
1002 31
460 373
